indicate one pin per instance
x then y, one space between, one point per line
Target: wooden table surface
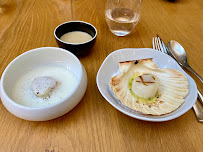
94 125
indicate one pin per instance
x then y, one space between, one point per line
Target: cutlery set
177 52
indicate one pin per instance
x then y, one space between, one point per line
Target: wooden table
94 125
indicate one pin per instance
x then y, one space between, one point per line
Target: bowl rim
3 93
78 21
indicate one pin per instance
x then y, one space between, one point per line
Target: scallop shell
172 90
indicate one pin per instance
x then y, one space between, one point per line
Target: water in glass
121 21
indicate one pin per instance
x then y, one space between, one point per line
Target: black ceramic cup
76 48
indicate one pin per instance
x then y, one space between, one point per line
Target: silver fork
159 45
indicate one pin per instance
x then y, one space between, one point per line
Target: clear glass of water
122 15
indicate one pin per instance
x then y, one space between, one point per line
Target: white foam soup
23 94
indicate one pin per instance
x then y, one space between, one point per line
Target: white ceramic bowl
37 57
110 68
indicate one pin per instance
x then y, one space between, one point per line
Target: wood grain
94 125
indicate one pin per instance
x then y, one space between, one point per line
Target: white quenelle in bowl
43 84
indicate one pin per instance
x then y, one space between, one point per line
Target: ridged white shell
172 90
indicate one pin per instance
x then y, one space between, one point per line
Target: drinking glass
122 15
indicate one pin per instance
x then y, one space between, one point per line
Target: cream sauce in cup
76 37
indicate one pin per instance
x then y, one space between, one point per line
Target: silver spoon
179 53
